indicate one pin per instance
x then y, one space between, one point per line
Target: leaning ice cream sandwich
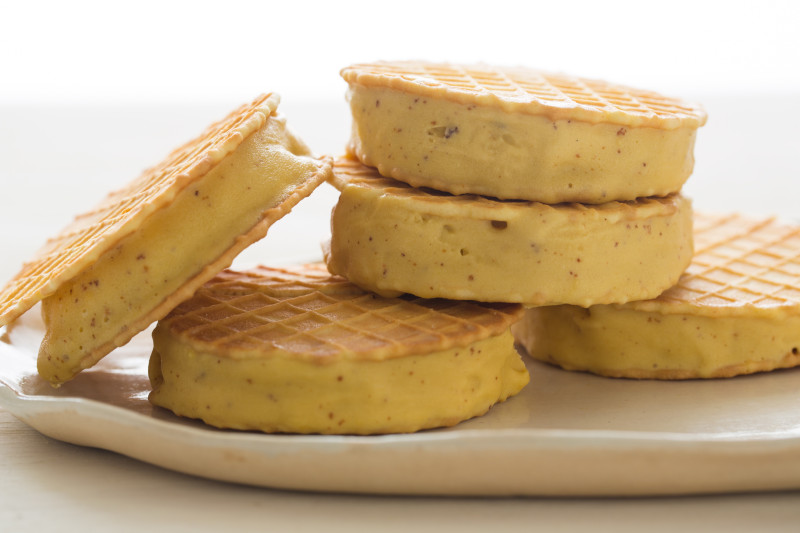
298 350
151 244
391 238
735 311
518 133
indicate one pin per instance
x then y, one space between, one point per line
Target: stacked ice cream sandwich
563 194
511 185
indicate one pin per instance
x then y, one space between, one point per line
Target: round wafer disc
742 265
314 315
531 91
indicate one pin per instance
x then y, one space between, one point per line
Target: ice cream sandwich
391 238
298 350
735 311
518 133
150 245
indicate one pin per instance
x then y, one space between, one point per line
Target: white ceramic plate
566 434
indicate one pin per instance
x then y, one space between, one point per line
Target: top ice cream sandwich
148 246
517 133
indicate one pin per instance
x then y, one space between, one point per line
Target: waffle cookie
516 133
149 245
735 311
391 238
300 351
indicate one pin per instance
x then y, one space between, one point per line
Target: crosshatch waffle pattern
532 91
312 314
122 211
349 171
740 263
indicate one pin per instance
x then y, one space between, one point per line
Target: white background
200 51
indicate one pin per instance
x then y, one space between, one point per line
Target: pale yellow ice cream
391 238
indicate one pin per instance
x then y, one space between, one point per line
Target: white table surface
60 161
